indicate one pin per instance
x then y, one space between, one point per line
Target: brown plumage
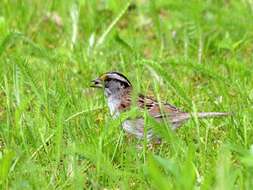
118 91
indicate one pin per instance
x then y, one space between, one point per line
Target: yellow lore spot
104 77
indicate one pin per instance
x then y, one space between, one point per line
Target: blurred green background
56 132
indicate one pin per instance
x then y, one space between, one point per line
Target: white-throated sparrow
118 91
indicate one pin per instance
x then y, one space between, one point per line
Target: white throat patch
113 104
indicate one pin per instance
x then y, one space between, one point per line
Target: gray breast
136 128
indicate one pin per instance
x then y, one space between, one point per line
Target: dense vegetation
56 132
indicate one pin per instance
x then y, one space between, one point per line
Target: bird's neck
115 101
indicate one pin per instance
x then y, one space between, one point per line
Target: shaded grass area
56 132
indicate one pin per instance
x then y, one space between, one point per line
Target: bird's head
113 82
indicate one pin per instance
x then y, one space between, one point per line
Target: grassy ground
56 133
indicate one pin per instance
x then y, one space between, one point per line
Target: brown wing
163 111
158 110
149 103
154 108
125 103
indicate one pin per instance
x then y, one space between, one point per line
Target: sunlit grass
56 132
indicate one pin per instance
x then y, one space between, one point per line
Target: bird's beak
97 83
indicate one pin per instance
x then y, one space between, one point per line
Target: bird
118 91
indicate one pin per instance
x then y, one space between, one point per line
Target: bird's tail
178 118
211 114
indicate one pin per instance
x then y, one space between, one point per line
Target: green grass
56 132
